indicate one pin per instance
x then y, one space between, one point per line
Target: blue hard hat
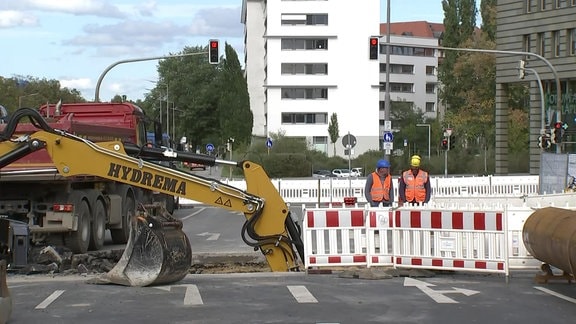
382 164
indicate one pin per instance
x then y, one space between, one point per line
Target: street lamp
426 125
24 96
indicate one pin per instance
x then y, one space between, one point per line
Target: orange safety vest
415 190
380 191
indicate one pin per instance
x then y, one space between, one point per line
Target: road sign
349 140
388 137
268 142
388 146
448 132
387 125
209 147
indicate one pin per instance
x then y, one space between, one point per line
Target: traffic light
452 141
522 69
374 48
444 143
557 132
213 52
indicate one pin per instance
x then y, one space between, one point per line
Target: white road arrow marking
302 295
50 299
438 295
211 236
191 297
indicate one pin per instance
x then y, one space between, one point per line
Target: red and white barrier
450 240
334 237
469 240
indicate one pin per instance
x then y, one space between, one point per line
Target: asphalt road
288 297
296 298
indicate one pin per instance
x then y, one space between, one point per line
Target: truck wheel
121 235
170 203
98 229
79 240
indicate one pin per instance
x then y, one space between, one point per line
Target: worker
414 184
379 188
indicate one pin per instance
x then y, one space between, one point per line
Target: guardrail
333 190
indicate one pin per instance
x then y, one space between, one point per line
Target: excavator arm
268 227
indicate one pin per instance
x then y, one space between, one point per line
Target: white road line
301 294
192 296
198 211
555 294
50 299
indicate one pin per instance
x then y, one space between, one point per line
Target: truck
158 250
75 212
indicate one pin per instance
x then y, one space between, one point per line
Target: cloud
217 22
80 84
75 7
12 18
127 37
147 9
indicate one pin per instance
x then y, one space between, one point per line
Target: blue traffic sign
388 137
268 142
209 147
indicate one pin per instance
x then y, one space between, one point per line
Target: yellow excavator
158 251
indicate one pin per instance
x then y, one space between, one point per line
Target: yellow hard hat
415 161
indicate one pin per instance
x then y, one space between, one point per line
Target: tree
194 94
29 91
459 24
488 12
333 131
234 114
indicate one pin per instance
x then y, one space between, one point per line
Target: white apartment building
413 75
308 59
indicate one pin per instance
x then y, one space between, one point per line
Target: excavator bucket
5 299
157 252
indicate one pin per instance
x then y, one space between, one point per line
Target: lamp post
426 125
24 96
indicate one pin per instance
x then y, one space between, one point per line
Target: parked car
322 174
193 166
356 172
341 173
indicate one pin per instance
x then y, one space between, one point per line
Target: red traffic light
558 125
213 52
373 41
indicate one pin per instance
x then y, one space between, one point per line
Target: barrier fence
333 190
465 239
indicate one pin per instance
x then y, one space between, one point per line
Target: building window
301 19
559 4
408 51
304 68
402 87
430 107
304 44
571 33
528 6
526 45
430 70
556 43
541 44
398 68
304 93
304 118
430 88
320 143
543 5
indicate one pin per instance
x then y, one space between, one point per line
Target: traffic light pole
477 50
111 66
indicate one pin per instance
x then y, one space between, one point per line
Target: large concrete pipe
549 234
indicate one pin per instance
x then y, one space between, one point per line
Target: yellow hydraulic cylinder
549 234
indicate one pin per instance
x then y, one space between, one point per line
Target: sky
75 41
